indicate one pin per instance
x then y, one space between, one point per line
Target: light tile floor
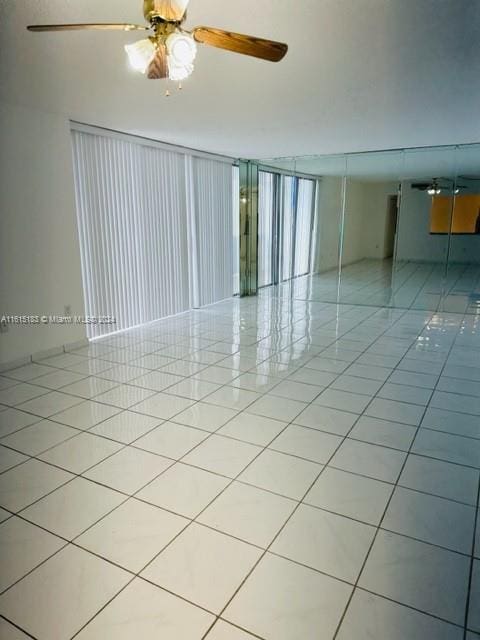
405 285
275 468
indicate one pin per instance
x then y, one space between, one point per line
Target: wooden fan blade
158 67
239 43
78 27
167 9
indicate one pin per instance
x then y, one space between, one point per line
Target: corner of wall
38 231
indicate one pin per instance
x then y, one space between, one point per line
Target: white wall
414 241
39 255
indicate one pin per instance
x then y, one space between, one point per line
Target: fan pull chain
167 91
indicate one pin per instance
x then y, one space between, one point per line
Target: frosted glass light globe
181 48
140 54
177 74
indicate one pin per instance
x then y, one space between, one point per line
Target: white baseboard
39 356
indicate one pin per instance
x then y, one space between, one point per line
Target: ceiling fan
434 188
170 50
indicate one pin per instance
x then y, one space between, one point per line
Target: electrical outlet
67 310
3 326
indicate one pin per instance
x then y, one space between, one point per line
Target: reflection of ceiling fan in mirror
435 187
170 50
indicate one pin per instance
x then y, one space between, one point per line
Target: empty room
239 320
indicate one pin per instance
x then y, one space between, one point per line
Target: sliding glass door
286 207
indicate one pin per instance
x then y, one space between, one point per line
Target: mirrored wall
397 228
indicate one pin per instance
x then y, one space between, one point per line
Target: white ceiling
360 74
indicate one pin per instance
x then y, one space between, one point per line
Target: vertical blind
155 229
211 222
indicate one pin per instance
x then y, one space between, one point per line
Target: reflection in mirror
421 252
330 211
370 224
462 288
394 229
287 220
287 214
315 219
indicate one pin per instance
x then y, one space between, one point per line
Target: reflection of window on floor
285 223
465 218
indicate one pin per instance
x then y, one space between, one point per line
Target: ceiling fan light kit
434 188
169 53
181 53
141 53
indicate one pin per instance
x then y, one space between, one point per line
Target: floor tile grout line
237 479
82 476
357 582
119 412
472 562
54 370
44 561
383 446
175 460
284 524
76 476
133 405
73 541
352 584
2 617
53 446
302 365
171 540
154 391
131 408
218 495
411 607
113 366
132 443
230 483
127 498
137 574
88 431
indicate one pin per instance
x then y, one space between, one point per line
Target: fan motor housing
155 10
